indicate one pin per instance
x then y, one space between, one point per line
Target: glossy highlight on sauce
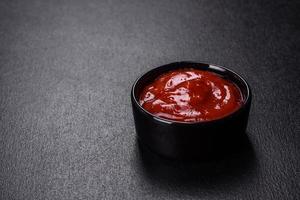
191 95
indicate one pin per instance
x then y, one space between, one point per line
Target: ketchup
191 95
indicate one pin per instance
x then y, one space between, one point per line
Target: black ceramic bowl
191 140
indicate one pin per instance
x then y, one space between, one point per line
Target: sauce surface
191 95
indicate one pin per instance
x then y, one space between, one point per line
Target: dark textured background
66 70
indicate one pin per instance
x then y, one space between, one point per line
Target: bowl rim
246 101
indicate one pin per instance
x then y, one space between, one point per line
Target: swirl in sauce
191 95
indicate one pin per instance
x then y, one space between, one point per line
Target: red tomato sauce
191 95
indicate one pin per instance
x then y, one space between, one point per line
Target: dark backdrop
66 70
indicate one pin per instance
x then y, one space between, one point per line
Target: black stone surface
66 70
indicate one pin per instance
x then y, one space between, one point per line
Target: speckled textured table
66 70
